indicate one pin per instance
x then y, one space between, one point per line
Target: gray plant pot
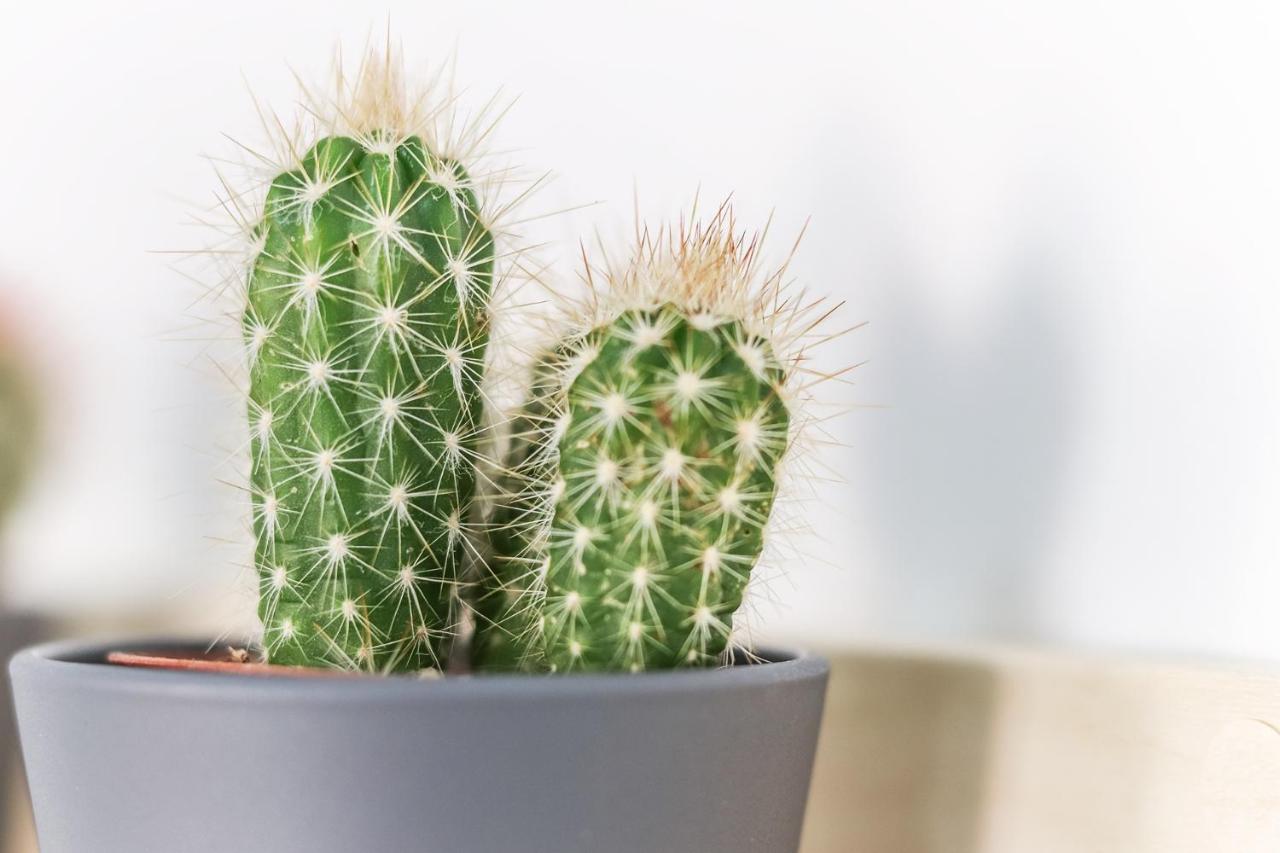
146 761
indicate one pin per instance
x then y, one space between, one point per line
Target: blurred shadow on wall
960 475
962 470
965 466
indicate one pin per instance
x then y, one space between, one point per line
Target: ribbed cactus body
367 324
669 432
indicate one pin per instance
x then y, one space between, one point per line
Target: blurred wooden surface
21 834
1004 752
17 629
1000 752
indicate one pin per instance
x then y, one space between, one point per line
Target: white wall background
1061 221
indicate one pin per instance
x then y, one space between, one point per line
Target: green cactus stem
367 324
657 475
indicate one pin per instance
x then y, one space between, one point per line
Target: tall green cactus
665 436
367 324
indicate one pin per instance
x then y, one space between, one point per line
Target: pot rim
81 663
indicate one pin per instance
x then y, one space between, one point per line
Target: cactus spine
367 324
648 472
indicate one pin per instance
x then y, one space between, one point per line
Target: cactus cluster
367 325
619 529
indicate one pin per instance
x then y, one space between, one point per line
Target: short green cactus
645 507
367 323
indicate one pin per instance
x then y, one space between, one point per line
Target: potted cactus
573 576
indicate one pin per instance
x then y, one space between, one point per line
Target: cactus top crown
381 107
